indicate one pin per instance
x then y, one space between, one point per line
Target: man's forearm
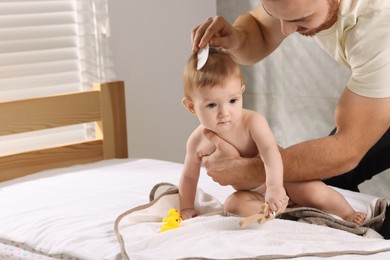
248 170
317 159
259 35
249 39
312 160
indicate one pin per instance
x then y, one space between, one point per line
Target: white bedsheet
71 211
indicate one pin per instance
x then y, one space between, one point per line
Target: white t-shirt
360 39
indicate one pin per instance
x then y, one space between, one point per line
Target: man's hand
226 167
221 161
216 32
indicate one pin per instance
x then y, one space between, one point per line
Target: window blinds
51 47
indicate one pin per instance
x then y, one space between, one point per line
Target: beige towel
318 217
209 235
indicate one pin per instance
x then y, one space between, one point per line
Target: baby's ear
242 89
188 104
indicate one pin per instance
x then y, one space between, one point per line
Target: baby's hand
188 213
276 198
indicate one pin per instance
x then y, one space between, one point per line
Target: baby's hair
219 67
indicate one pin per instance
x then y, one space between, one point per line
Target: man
355 33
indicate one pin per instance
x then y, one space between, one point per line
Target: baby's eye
212 105
233 100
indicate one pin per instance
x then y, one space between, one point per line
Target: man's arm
252 37
360 121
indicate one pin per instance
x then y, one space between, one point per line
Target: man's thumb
211 136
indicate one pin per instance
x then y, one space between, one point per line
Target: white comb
203 54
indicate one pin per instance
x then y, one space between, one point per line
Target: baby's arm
187 187
265 141
190 175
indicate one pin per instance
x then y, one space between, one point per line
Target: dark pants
375 161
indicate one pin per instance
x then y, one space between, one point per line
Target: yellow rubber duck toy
172 221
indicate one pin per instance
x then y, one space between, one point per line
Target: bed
88 200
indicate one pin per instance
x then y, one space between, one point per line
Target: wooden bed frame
105 105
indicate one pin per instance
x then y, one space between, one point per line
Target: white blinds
51 47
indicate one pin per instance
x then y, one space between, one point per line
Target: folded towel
314 216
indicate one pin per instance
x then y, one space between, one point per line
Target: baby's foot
357 217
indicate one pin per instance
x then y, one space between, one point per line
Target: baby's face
219 107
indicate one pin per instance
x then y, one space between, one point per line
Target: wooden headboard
104 105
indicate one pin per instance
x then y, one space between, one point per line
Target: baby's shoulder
197 136
199 143
251 116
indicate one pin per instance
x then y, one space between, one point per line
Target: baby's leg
318 195
244 203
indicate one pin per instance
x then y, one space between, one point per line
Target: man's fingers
198 35
208 33
195 47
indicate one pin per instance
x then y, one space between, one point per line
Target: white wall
151 43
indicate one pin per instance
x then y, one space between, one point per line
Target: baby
214 94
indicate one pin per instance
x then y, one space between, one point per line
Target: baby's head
219 67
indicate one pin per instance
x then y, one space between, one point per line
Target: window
51 47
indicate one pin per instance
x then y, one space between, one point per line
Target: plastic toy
172 221
264 215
